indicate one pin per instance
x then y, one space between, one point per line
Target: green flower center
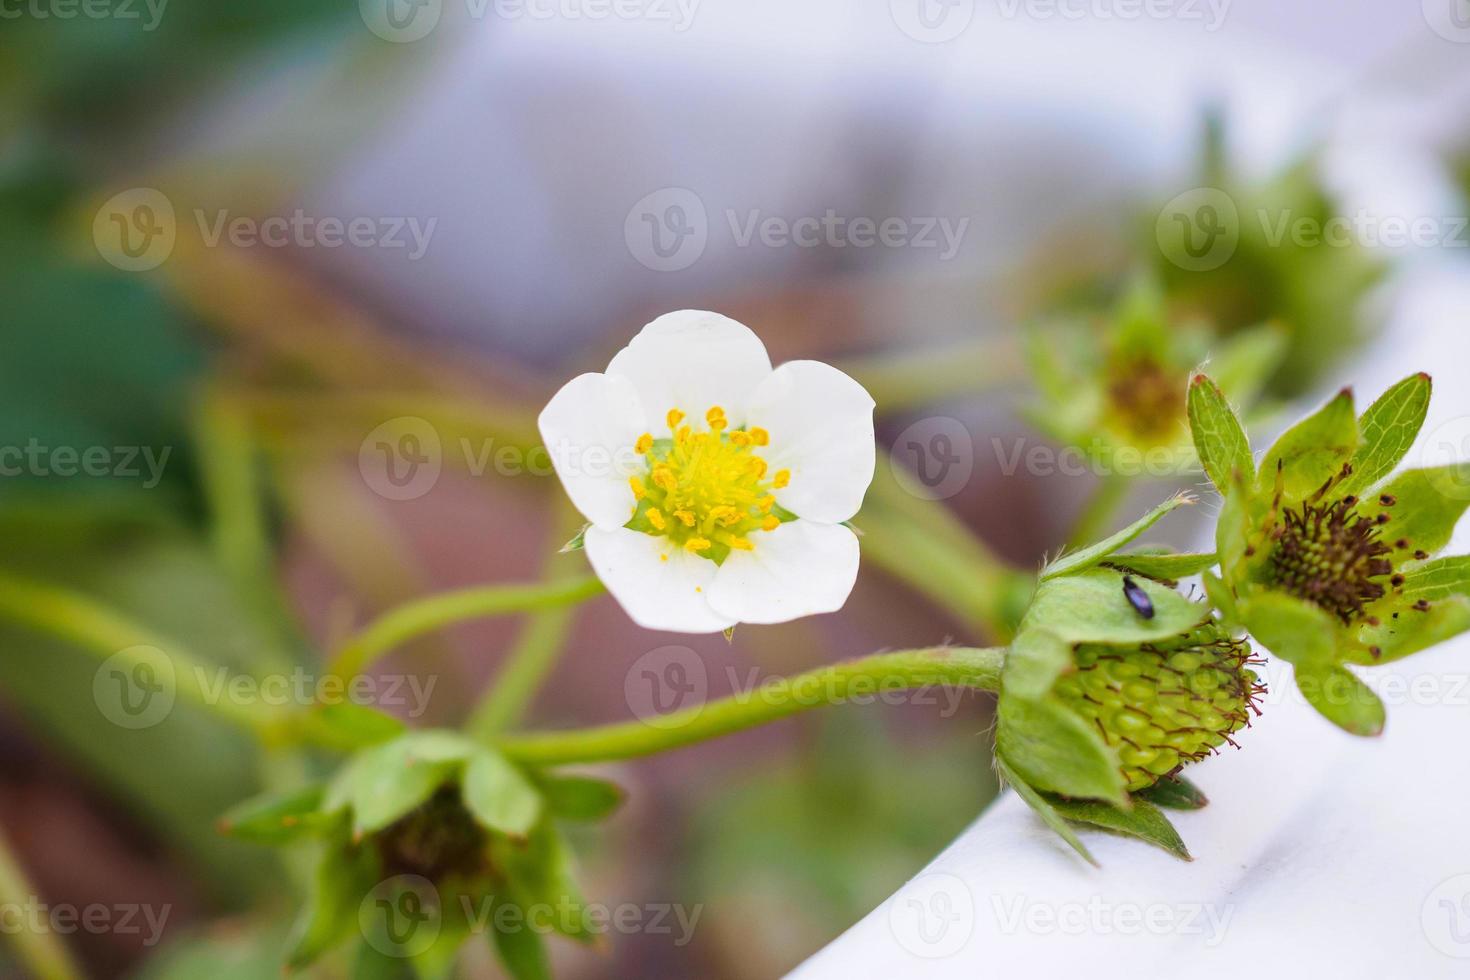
438 840
1333 556
1163 706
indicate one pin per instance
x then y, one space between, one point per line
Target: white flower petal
821 426
799 569
693 360
657 594
589 428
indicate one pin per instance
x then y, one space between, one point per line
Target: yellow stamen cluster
708 491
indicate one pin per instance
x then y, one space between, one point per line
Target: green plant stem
902 380
40 950
447 608
868 678
919 541
1098 514
105 633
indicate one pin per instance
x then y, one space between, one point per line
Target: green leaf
1142 820
1408 632
390 780
522 950
1342 699
1167 568
348 725
1388 428
1314 450
1090 608
276 818
499 795
1218 438
1090 556
344 876
1043 809
1175 793
581 798
1295 630
1428 504
1056 750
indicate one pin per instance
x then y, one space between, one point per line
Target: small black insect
1137 598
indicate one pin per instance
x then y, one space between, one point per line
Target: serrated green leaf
499 795
522 951
344 876
1169 568
1219 439
1090 608
581 798
1143 821
1428 503
1094 554
1043 809
1174 793
1314 450
1055 750
1295 630
1388 428
1342 699
276 818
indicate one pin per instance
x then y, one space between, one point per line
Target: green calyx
1162 706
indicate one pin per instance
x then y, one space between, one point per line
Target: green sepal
579 798
1218 437
1163 568
577 543
1173 793
344 875
1341 698
543 871
371 963
1313 451
1035 659
1055 750
1087 557
1142 820
277 818
1090 608
1043 809
1428 505
1410 631
1295 630
348 725
387 781
499 795
522 950
1388 428
1435 580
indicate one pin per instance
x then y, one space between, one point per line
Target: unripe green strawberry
1162 706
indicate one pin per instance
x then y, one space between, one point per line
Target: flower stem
105 634
39 949
447 608
865 679
1097 516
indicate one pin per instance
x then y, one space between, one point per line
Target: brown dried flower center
1331 555
1148 400
439 839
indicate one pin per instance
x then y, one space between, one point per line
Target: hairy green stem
39 949
447 608
107 634
877 677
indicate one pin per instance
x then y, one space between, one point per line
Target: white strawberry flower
715 486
